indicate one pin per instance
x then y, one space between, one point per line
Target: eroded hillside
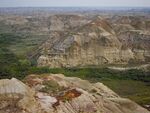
55 93
70 40
98 40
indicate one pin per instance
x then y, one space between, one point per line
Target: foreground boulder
60 94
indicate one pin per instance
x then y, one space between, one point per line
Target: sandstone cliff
55 93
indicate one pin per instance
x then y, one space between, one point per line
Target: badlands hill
80 41
55 93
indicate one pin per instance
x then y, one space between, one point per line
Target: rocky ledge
55 93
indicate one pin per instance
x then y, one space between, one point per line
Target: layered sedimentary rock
84 39
60 94
97 42
16 97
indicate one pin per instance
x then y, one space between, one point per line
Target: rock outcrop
97 42
16 97
55 93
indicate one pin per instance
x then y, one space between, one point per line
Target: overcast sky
92 3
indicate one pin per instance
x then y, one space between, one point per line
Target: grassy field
21 44
14 49
135 90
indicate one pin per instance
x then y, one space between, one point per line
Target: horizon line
75 7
